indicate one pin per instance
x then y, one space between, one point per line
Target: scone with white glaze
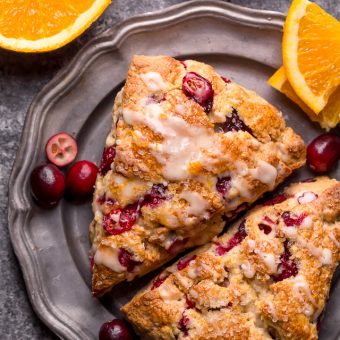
268 277
188 149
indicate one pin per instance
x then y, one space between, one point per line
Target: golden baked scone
268 277
188 149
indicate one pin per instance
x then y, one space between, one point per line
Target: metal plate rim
19 206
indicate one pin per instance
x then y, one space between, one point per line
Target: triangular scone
268 277
187 150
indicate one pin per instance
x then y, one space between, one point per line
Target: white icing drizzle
153 81
308 309
108 257
240 184
248 269
197 204
241 167
291 232
265 173
307 222
333 238
323 254
251 244
182 142
301 284
269 260
272 310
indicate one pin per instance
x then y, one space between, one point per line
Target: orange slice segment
328 118
37 26
311 53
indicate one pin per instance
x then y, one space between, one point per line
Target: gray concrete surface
21 78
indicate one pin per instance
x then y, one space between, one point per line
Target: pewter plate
52 246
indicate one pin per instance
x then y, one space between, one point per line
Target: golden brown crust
163 138
273 282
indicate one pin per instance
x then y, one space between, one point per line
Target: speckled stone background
21 78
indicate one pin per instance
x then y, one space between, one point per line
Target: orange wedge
328 118
38 26
311 53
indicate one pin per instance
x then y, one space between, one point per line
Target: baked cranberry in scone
188 150
253 282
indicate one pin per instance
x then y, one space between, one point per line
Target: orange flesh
46 17
317 60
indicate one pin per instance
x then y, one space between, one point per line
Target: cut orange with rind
39 26
328 118
311 53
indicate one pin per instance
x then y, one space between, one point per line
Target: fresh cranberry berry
115 330
226 80
159 280
323 152
287 267
155 196
184 262
109 154
126 260
80 180
238 237
292 220
119 220
307 197
177 246
47 185
233 123
183 325
198 88
61 149
223 185
276 200
265 228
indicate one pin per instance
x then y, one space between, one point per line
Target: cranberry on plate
61 149
80 180
323 152
115 330
47 185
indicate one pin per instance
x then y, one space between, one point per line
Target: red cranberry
265 228
189 304
61 149
233 123
323 152
126 260
307 197
159 280
292 220
109 154
184 262
177 246
223 185
80 180
156 98
115 330
226 80
199 89
119 220
47 185
288 267
276 200
155 197
183 325
238 237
